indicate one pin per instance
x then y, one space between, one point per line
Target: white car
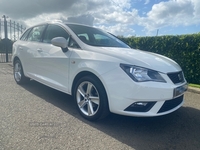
101 72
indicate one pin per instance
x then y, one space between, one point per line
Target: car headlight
140 74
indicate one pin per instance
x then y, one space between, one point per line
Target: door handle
20 48
39 50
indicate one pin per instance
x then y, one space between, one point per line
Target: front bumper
130 98
147 106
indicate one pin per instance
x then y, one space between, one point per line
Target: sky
120 17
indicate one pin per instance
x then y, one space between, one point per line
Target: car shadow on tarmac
178 130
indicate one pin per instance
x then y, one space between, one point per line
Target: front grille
170 104
176 77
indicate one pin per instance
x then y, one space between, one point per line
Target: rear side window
53 31
24 36
36 33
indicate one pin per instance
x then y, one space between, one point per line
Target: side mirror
60 42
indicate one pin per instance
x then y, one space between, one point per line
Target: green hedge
184 49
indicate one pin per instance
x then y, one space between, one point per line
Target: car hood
141 58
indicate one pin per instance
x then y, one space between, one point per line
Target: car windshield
96 37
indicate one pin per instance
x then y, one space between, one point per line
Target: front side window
101 39
53 31
36 33
72 43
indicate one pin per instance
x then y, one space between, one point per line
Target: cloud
172 13
41 18
27 9
118 29
147 2
196 4
115 16
23 9
101 13
82 19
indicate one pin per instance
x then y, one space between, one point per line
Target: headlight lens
140 74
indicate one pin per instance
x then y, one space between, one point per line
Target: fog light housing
180 90
140 106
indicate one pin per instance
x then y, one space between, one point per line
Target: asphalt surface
35 117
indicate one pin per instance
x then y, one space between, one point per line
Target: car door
32 52
22 46
54 63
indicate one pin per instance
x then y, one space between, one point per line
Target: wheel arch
80 75
15 58
83 74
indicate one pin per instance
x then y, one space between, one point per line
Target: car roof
61 23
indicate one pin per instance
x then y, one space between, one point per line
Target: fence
10 31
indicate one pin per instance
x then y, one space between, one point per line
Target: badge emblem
179 77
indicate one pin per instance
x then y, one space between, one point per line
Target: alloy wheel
88 99
17 71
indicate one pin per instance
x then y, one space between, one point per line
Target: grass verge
195 85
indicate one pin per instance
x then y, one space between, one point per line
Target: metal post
0 28
18 30
14 32
6 36
21 29
10 30
5 27
157 32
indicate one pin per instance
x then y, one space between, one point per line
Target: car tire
18 73
91 98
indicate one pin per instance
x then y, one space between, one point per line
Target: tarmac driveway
37 117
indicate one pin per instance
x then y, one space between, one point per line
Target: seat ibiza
102 73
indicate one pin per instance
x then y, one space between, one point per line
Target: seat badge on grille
179 77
